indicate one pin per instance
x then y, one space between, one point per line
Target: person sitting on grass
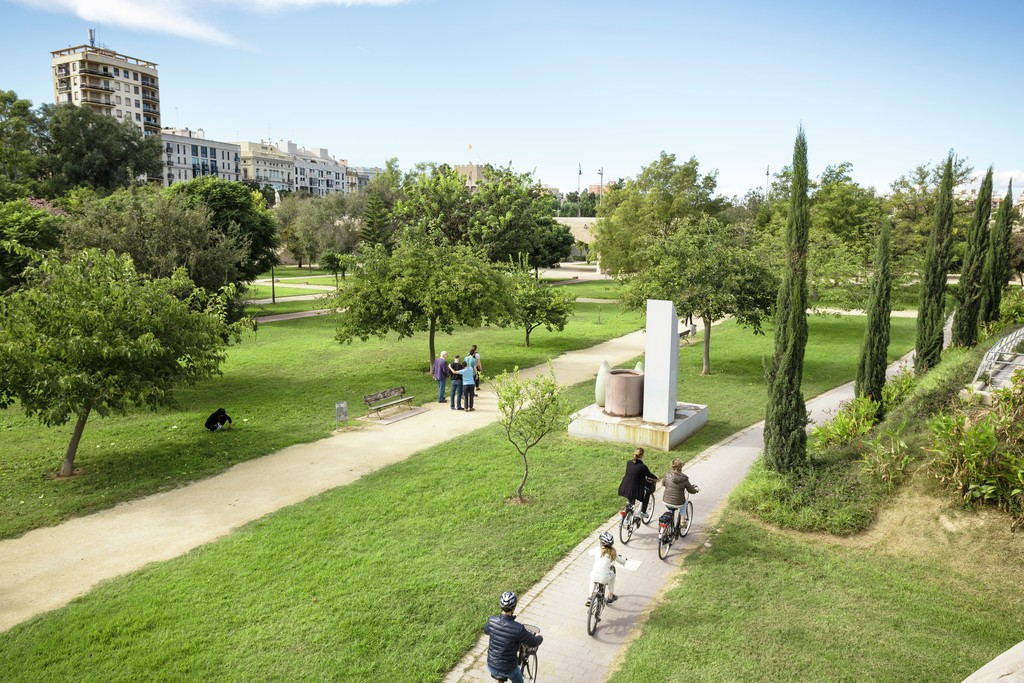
507 635
604 567
216 422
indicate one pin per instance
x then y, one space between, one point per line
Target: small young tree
530 410
873 355
997 262
931 310
972 287
534 303
785 438
93 335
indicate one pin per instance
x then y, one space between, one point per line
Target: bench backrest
384 395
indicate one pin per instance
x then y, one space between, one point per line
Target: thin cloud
180 17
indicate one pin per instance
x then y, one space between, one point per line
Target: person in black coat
216 422
507 635
638 482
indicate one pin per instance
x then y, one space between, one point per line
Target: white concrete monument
661 363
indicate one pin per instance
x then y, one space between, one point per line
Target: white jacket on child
602 571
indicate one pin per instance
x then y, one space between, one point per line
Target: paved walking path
47 568
556 603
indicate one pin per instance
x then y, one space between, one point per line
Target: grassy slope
388 578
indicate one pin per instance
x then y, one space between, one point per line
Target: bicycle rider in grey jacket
675 486
506 636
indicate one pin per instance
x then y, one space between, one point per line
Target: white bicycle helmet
607 540
508 601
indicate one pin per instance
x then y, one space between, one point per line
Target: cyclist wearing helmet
675 486
604 566
506 635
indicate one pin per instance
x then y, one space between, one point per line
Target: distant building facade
265 164
109 83
188 154
316 171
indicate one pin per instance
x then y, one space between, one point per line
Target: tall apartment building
316 171
188 154
110 83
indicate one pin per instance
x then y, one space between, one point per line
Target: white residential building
316 171
267 165
188 154
109 83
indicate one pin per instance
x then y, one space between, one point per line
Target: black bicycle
595 606
669 530
631 518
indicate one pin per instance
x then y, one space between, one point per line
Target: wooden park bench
384 399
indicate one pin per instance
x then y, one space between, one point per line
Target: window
195 150
118 113
74 66
138 116
117 72
136 90
137 102
117 98
202 150
117 86
135 75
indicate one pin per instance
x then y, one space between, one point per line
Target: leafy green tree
426 284
971 289
86 148
706 269
375 227
875 349
785 438
26 227
931 310
663 196
534 303
436 200
530 410
387 185
997 260
236 210
20 146
553 245
287 215
161 232
94 335
338 263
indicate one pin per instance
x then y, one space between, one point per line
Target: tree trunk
433 329
526 473
68 468
707 346
528 329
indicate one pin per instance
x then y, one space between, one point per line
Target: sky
555 87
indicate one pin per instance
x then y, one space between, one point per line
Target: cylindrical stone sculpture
624 395
599 385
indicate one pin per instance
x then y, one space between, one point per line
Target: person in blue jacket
507 635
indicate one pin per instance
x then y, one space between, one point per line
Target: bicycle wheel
650 510
687 520
530 667
626 527
664 542
593 613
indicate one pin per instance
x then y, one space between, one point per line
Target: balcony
95 86
150 108
92 99
149 81
150 121
150 97
169 148
94 71
170 163
63 70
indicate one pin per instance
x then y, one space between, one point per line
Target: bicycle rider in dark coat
638 482
507 635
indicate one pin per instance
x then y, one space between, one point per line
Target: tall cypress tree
785 438
972 287
873 355
997 262
930 321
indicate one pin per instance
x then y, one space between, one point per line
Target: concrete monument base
594 424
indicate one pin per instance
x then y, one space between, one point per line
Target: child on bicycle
675 486
507 635
604 567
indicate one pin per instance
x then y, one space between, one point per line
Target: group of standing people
464 373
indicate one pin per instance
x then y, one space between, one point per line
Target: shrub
886 457
853 420
897 388
978 452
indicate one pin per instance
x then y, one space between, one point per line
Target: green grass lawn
284 306
293 272
594 289
391 577
279 386
281 291
766 606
